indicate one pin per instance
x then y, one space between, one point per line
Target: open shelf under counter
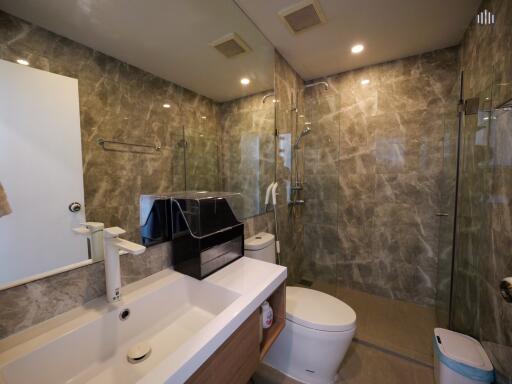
277 301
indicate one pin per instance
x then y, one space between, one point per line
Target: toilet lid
318 310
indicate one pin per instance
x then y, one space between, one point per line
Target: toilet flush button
139 352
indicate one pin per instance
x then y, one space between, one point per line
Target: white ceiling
169 38
389 29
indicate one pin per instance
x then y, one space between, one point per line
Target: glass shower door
446 215
320 151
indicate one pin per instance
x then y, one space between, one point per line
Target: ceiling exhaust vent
303 15
230 45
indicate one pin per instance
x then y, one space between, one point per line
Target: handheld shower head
306 131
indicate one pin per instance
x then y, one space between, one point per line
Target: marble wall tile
117 101
248 149
484 232
288 88
379 168
32 303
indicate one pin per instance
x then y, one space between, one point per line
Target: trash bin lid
463 354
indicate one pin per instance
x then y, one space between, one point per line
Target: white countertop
251 280
254 280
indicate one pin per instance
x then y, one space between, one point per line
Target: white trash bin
460 359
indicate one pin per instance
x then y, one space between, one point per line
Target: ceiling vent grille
303 15
230 45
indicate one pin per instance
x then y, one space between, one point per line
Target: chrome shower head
324 84
306 131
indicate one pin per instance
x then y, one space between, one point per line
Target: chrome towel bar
102 142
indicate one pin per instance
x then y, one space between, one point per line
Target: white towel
5 208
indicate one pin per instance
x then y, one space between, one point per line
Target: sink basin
168 314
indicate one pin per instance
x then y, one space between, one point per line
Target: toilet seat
318 310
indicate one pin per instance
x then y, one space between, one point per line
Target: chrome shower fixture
323 83
305 132
267 96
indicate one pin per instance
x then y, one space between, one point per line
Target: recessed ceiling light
22 62
245 81
166 105
203 117
365 82
358 48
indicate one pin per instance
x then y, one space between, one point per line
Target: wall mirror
106 110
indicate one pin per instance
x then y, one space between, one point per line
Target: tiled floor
402 327
393 342
394 325
364 364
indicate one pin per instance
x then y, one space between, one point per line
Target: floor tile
398 326
363 364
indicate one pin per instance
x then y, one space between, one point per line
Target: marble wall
484 232
32 303
372 165
118 101
288 89
122 102
248 149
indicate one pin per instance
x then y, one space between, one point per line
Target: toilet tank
261 246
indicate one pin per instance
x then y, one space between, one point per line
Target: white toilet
319 327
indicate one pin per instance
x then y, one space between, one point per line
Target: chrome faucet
112 246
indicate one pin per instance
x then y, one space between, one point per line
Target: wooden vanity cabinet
238 358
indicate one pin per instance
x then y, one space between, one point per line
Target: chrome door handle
441 214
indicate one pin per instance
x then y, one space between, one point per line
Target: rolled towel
5 208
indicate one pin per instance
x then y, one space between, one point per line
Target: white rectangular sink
184 320
96 352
